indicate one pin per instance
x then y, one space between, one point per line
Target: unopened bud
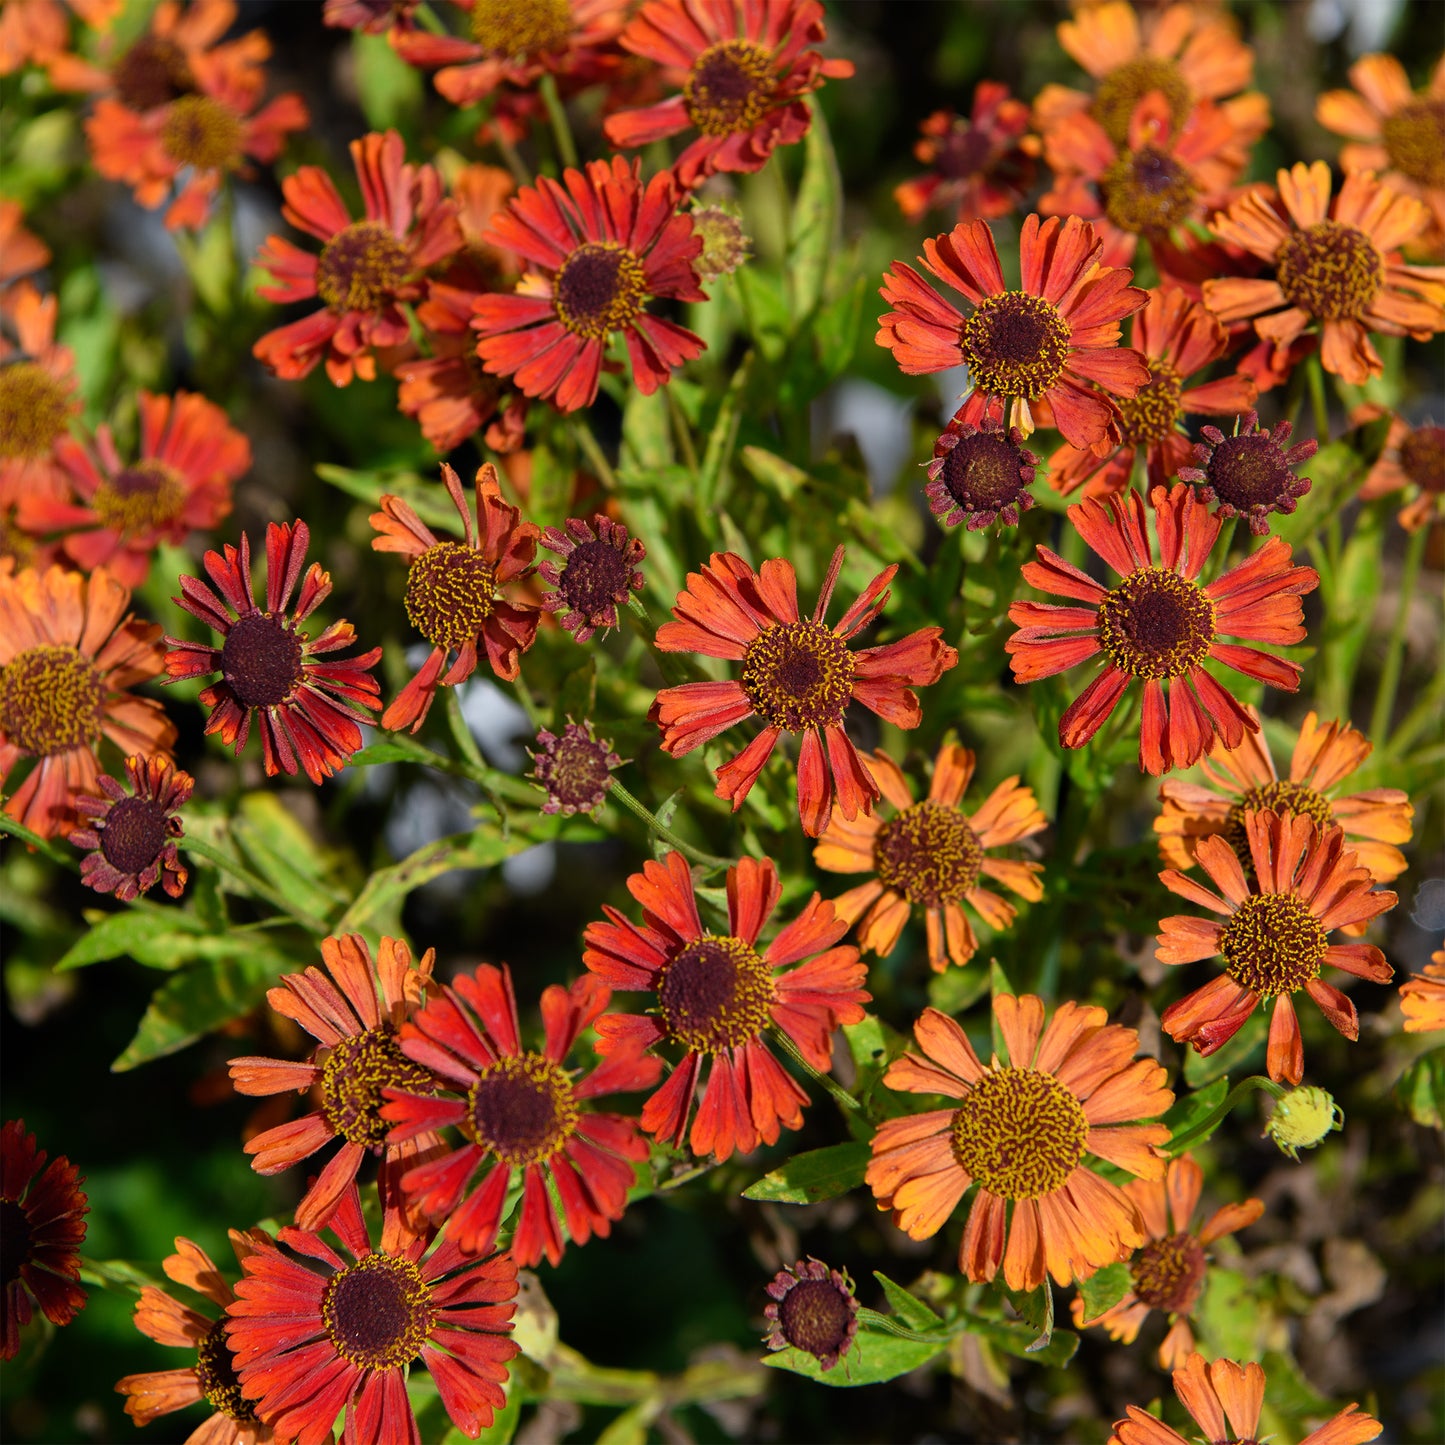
1302 1119
724 242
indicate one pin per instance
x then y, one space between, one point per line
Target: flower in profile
1021 1131
574 770
980 475
1224 1400
1168 1270
523 1115
132 836
717 997
366 269
812 1310
1303 1118
798 675
357 1056
1249 473
314 1336
599 245
454 590
38 397
1413 460
933 855
42 1220
181 482
748 68
20 251
169 1321
598 576
307 707
1274 939
1422 997
1159 625
69 656
981 167
1336 265
1047 341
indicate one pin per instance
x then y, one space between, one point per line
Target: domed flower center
1330 270
216 1374
521 27
152 72
378 1312
1169 1273
730 87
1154 412
14 1241
1147 190
1126 85
1155 624
1249 471
1422 457
450 593
798 675
1415 141
984 473
596 579
361 267
522 1108
34 410
815 1316
261 660
963 152
51 699
1282 797
134 834
1020 1133
929 854
599 289
715 994
575 771
1272 944
1015 345
357 1069
143 498
200 132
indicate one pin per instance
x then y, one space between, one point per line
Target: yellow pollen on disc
1154 413
1126 85
1015 344
450 593
730 87
360 267
522 1108
1330 270
798 675
1020 1133
1168 1274
716 993
521 27
200 132
599 290
51 699
34 410
1282 797
928 854
1415 142
377 1312
1147 190
143 498
358 1068
1156 624
1273 944
216 1375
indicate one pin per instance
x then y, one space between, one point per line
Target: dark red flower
575 769
598 576
1250 473
980 475
133 836
812 1310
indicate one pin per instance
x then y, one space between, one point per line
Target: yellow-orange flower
1413 461
1422 997
37 397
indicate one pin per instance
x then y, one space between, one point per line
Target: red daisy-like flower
598 574
798 675
1048 340
748 67
717 995
1159 625
42 1222
132 836
600 245
522 1114
366 268
38 397
1249 474
315 1336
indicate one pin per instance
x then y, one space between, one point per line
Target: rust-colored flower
812 1310
980 475
1168 1270
599 574
1274 938
372 17
38 397
932 855
1412 461
69 656
20 251
574 769
1422 997
1159 625
37 32
1249 473
718 995
132 836
1021 1131
798 675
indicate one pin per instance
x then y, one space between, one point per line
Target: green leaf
1104 1289
769 320
875 1356
717 458
835 330
118 935
813 231
1421 1088
1024 1341
646 431
1192 1108
1228 1317
956 989
780 477
911 1310
428 500
1200 1069
119 1274
1036 1309
286 855
391 92
388 752
818 1174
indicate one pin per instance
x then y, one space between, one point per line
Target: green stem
1318 402
252 881
529 703
596 457
892 1327
657 826
1180 1142
462 735
557 115
683 432
514 162
1384 708
840 1094
41 845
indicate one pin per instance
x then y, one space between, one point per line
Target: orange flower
36 32
1021 1131
1413 459
69 655
932 854
1422 997
1275 939
1169 1269
1336 265
20 252
37 397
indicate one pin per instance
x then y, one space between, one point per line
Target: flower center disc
1415 141
377 1312
579 777
1015 345
142 498
134 834
152 72
1126 85
261 660
521 27
815 1315
357 1070
522 1109
50 699
360 267
34 410
1169 1273
798 675
1248 471
1282 797
595 579
1155 624
14 1241
929 854
1422 457
1154 412
1147 190
1272 944
599 289
729 88
216 1374
1332 271
984 473
197 131
716 994
1020 1133
450 592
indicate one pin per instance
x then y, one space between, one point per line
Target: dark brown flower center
1169 1273
261 660
34 410
1415 141
357 1069
523 1109
928 854
51 699
1020 1133
134 833
1282 797
1332 271
815 1315
377 1312
798 675
1154 412
596 579
1148 190
1422 457
143 498
962 152
1155 624
216 1374
730 87
450 593
1272 944
153 72
201 132
14 1241
361 267
1249 471
575 771
599 289
715 994
1015 344
521 27
984 473
1126 85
